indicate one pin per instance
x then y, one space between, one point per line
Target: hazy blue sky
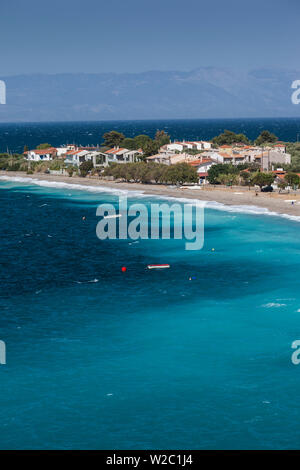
138 35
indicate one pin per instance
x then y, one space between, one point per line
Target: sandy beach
235 196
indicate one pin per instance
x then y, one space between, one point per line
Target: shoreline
276 204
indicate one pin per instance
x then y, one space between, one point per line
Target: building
264 157
202 165
78 156
274 157
203 145
75 157
168 158
121 155
39 155
188 145
280 147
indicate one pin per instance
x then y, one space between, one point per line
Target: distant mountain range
206 92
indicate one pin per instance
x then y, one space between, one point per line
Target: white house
38 155
61 151
202 166
179 146
121 155
202 145
185 145
280 147
213 155
167 158
75 157
205 165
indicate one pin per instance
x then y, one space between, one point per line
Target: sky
95 36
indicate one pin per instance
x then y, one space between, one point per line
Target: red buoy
123 269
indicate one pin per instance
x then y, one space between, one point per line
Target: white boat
158 266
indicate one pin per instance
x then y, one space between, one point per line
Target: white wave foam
242 209
63 185
273 305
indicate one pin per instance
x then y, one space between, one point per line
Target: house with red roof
76 157
39 155
121 155
280 147
202 166
188 145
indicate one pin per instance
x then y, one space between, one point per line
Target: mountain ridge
204 92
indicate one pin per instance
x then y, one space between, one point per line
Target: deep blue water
97 358
15 136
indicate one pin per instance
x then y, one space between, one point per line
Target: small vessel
158 266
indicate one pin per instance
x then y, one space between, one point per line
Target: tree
228 179
282 185
229 137
150 148
70 171
181 173
292 179
218 169
43 146
142 140
85 167
26 148
129 144
136 172
157 171
263 179
294 149
144 172
266 137
148 172
253 167
162 138
113 138
246 178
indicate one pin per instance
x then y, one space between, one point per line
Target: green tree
70 171
292 179
294 149
129 144
142 140
113 138
282 185
181 173
162 138
157 172
263 179
246 178
43 146
150 148
218 169
266 137
229 137
228 179
85 167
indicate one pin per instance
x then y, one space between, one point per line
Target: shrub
85 168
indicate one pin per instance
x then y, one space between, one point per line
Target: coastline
231 198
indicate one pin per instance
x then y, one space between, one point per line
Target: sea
14 136
197 356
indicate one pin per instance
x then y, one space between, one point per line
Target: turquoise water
97 358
